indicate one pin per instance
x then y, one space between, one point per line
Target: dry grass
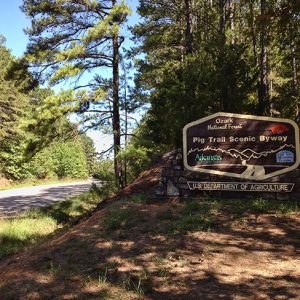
138 248
168 250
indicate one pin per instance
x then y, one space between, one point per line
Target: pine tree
13 102
69 38
196 63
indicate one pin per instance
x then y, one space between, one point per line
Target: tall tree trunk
263 85
126 123
182 34
232 21
116 110
253 32
205 24
295 82
188 30
222 36
222 20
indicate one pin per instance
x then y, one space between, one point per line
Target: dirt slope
135 247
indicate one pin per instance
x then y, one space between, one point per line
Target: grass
191 215
117 218
260 205
102 278
124 214
35 182
188 215
202 215
35 225
134 285
149 236
19 233
129 287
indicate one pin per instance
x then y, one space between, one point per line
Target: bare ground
132 249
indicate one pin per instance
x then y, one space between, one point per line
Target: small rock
177 167
172 190
159 190
182 180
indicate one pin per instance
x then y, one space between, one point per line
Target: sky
12 25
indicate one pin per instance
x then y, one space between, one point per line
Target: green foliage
201 57
69 39
104 171
137 198
260 205
194 215
42 165
90 152
63 159
71 49
137 160
115 219
144 148
122 215
13 107
70 160
14 164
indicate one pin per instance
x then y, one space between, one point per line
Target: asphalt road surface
20 199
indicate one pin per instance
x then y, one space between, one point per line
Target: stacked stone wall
174 178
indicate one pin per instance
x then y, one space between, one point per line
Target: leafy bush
70 160
104 170
42 165
63 159
14 166
137 160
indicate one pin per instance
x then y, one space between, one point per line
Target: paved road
17 200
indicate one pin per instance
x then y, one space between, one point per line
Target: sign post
241 146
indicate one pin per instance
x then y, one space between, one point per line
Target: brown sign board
242 146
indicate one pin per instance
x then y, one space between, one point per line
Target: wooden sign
242 146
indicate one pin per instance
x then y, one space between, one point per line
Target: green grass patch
35 182
68 211
124 214
259 205
35 225
19 233
196 214
115 219
138 198
119 216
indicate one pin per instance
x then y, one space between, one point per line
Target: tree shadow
140 254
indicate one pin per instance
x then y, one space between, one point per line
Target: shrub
137 160
62 159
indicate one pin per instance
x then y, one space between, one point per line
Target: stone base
174 178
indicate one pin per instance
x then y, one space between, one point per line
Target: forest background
186 59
